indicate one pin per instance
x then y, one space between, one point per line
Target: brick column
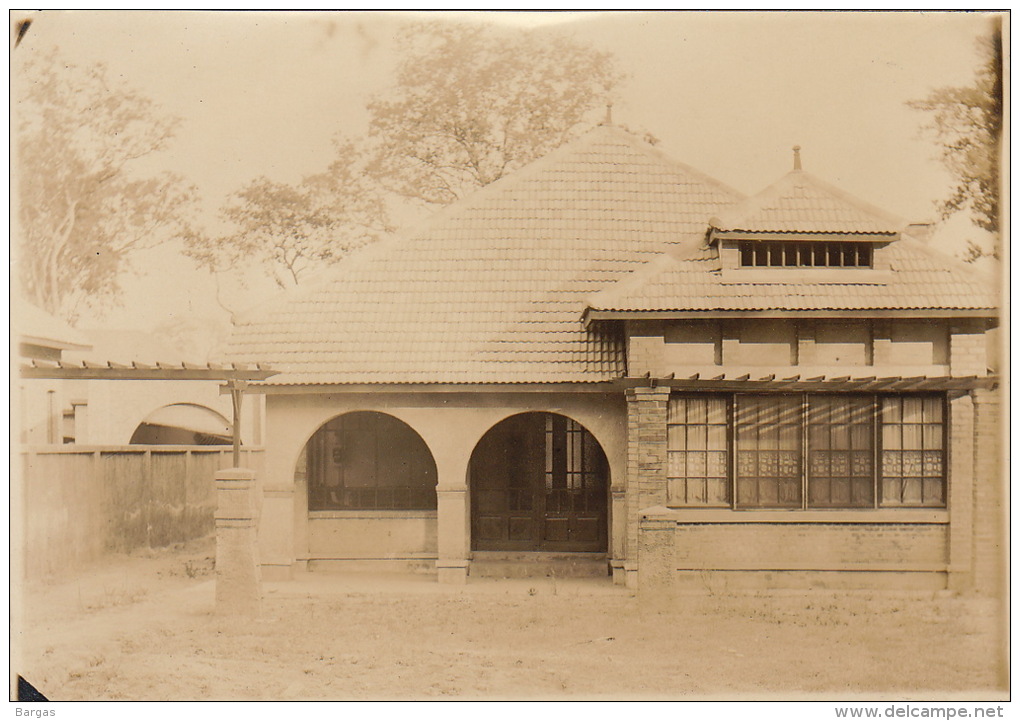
989 486
238 575
646 463
961 491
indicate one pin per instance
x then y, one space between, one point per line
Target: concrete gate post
238 575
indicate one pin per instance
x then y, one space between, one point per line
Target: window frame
878 479
324 446
780 254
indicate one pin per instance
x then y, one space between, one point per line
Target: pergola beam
237 377
110 371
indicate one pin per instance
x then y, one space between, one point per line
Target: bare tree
85 202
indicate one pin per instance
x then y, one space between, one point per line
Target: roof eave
797 383
592 314
54 343
579 386
795 235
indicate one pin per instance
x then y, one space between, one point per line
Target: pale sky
729 93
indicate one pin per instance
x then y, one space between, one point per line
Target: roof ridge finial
796 157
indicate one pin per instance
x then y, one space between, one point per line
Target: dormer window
805 254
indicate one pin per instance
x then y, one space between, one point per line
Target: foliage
472 103
967 124
85 202
468 105
293 229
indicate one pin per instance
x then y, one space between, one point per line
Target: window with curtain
913 454
806 451
698 467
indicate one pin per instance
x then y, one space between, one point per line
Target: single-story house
610 359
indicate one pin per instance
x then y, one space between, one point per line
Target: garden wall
78 503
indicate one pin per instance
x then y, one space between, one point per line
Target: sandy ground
142 627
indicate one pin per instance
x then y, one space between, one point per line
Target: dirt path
143 628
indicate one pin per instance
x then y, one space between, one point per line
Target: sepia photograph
510 356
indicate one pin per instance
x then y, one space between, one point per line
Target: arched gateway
539 482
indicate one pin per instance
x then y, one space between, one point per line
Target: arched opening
183 424
539 482
366 460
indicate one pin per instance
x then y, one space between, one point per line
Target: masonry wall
823 550
340 540
450 424
906 347
990 509
960 546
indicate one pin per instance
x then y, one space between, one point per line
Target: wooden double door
539 482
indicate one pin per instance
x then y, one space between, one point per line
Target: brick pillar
989 487
646 463
238 575
961 491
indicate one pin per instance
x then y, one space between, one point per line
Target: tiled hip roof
493 289
918 279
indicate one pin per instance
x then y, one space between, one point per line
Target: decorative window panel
806 451
913 451
697 464
768 448
841 452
